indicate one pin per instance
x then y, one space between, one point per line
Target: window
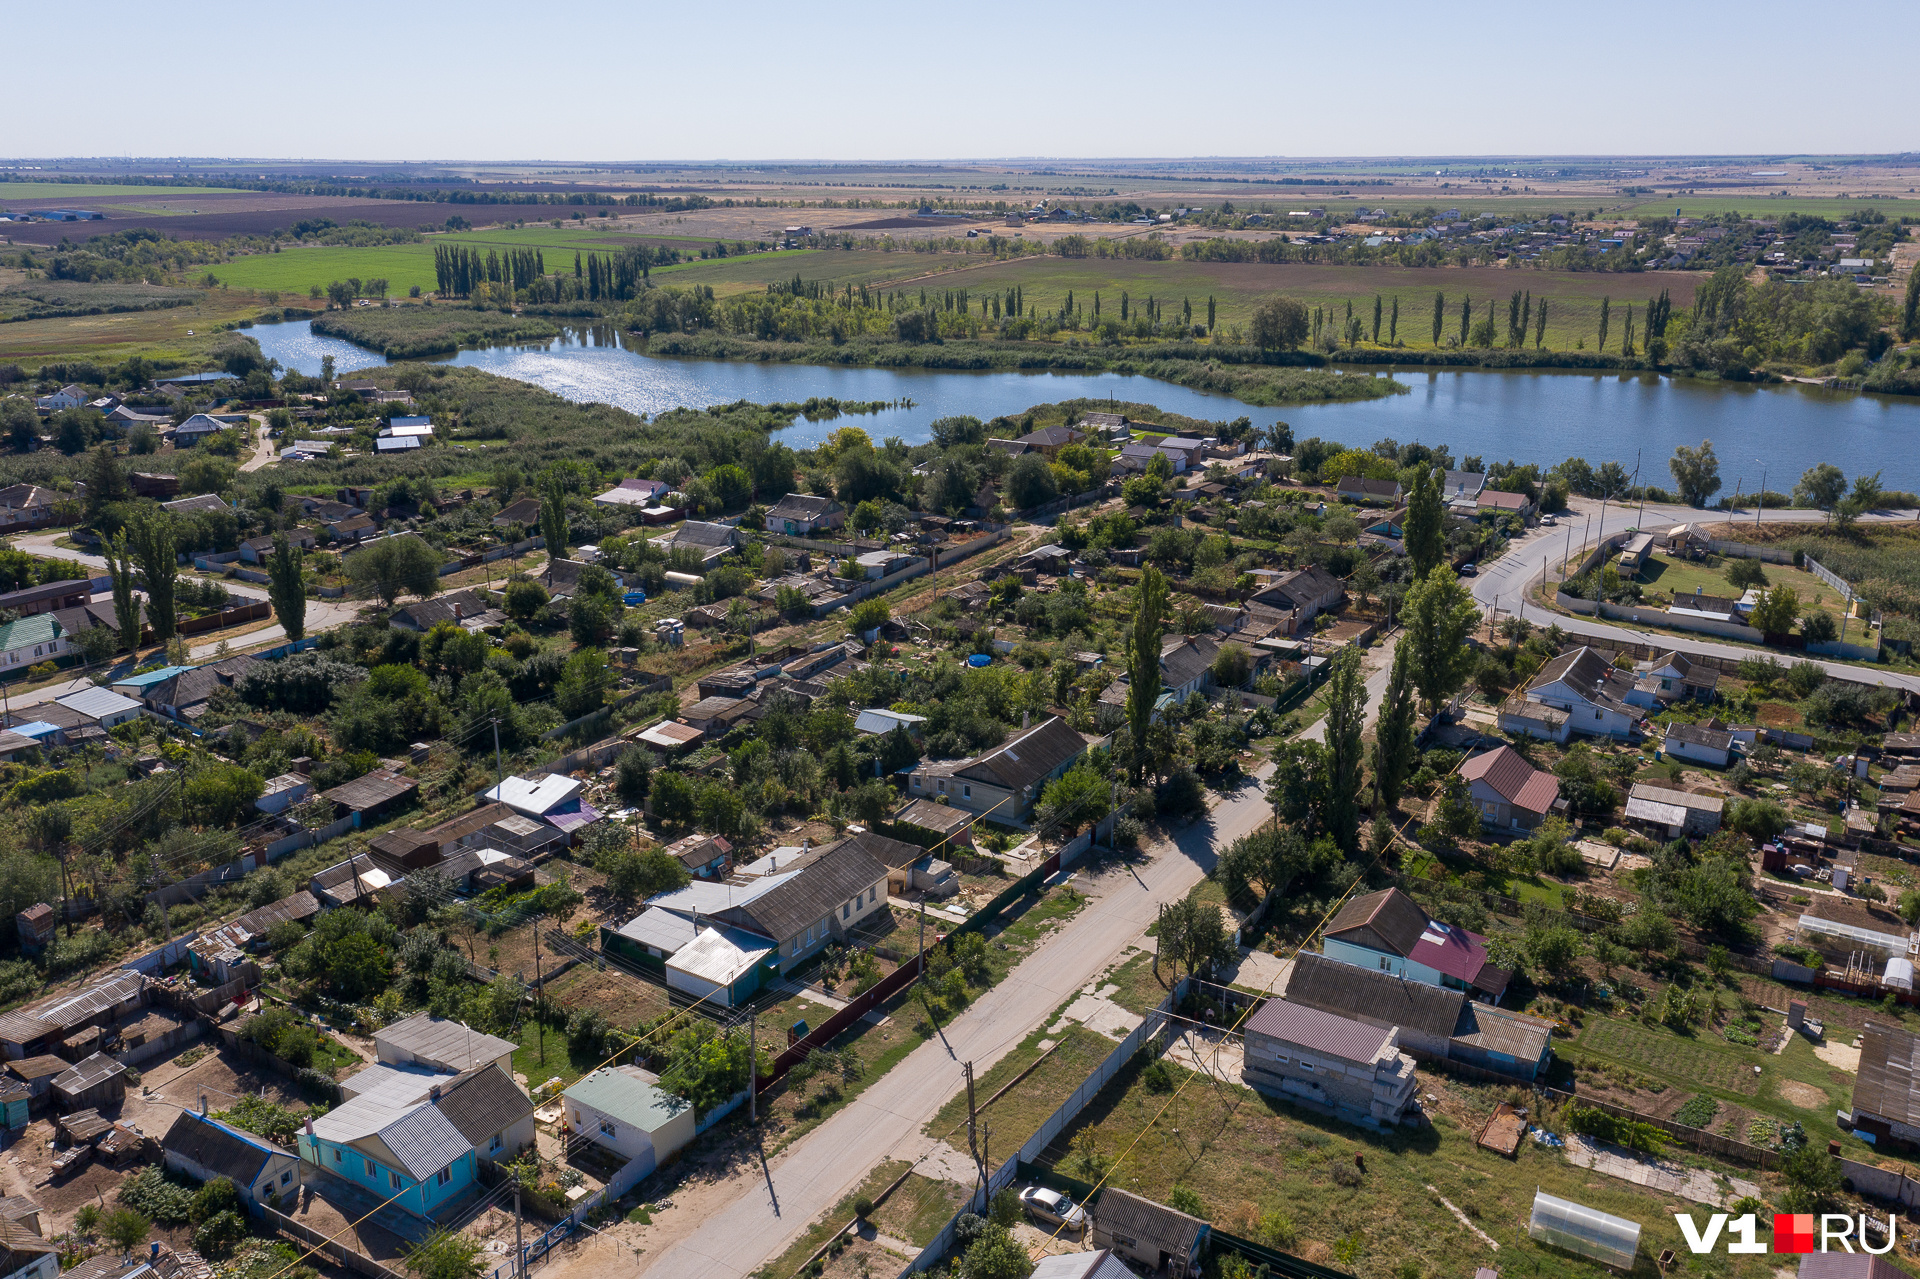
338 1157
846 909
286 1177
606 1126
494 1144
394 1177
1386 965
966 792
370 1169
445 1175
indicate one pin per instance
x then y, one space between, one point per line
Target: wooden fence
825 1033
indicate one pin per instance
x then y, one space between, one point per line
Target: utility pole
519 1251
1760 498
923 937
540 988
973 1146
499 773
753 1067
166 929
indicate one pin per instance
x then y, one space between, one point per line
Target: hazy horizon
1069 80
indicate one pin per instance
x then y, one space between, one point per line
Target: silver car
1053 1208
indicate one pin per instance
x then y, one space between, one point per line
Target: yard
1666 575
1374 1203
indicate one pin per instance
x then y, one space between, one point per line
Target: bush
863 1207
217 1235
150 1194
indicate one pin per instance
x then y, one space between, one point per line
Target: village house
1329 1063
940 826
633 492
440 1043
1584 685
47 597
800 514
35 638
1669 678
26 506
1432 1021
1671 813
204 1148
1004 782
195 429
1366 492
1388 931
525 513
1698 744
704 856
1297 597
623 1109
1049 440
1511 794
457 607
722 941
711 542
1186 665
1497 502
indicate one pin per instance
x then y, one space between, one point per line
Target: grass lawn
1682 578
1249 1158
186 333
1020 1111
831 1221
919 1209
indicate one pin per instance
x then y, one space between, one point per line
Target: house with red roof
1388 931
1510 793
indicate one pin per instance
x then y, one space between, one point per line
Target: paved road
321 614
1379 661
885 1121
1505 581
262 446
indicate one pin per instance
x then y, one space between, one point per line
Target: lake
1538 417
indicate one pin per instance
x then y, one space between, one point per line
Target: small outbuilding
97 1081
623 1109
1586 1232
1165 1240
204 1148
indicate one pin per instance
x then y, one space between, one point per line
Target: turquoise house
411 1154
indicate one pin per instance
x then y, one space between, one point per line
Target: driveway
1378 663
262 446
1504 582
767 1212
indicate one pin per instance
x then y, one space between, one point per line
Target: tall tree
1696 471
1143 662
1466 317
1210 308
1910 308
1526 318
1606 306
1393 734
106 480
394 566
1346 721
553 514
1540 325
1426 524
1439 315
1513 319
286 589
1393 323
1440 615
155 552
1376 319
1626 334
126 607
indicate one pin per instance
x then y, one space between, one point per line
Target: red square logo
1793 1232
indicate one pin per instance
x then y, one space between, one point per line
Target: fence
1055 1123
358 1262
1882 1183
167 956
825 1033
1750 551
1698 1138
298 1074
227 617
1830 577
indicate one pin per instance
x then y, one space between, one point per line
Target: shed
1587 1232
1161 1238
36 1074
96 1081
720 964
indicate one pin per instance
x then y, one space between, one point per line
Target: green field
295 270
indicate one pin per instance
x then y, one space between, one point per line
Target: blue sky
851 79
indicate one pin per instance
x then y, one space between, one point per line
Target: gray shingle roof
438 1039
1351 991
830 876
1153 1225
227 1152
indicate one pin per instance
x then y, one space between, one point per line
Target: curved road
321 614
1505 581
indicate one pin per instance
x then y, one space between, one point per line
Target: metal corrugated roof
627 1098
424 1141
450 1043
1321 1032
98 703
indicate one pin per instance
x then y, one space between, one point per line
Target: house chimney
309 1126
203 1103
1026 719
433 1093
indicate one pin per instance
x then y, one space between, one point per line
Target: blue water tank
635 597
980 659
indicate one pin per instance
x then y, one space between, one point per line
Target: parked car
1469 570
1548 520
1053 1208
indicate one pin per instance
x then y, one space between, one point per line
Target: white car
1053 1208
1548 520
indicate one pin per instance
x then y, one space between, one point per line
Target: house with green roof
37 637
625 1110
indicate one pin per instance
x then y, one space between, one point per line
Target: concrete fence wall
1750 551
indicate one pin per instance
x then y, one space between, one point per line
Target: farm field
1702 206
175 333
1240 287
83 195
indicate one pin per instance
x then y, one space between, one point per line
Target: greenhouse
1833 933
1612 1241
